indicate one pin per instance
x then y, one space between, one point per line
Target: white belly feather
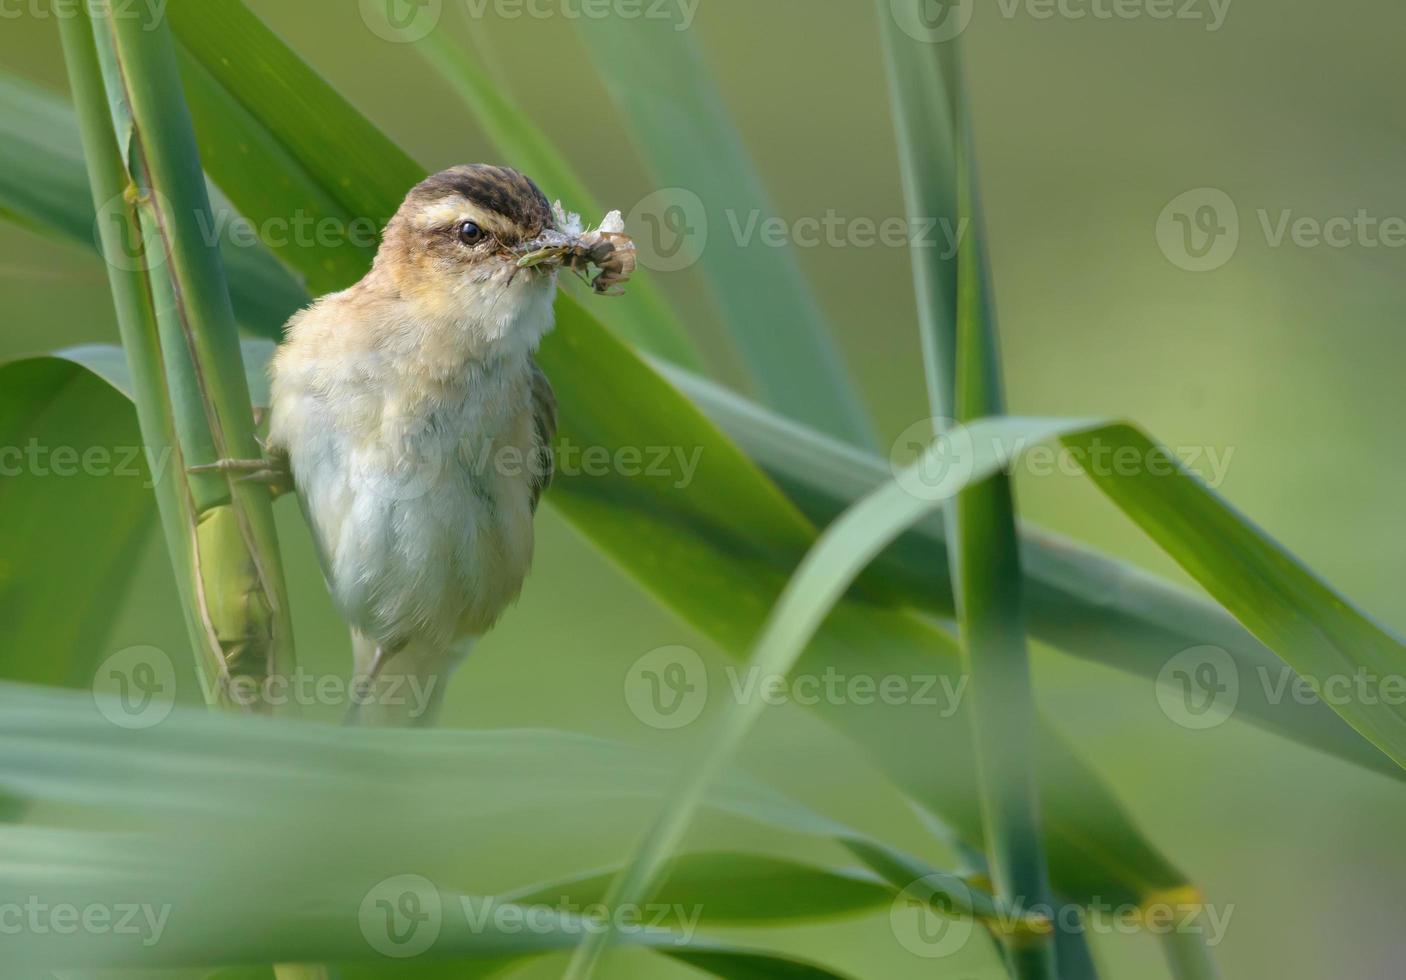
421 513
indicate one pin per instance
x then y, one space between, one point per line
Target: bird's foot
265 471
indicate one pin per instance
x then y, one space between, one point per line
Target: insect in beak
549 249
608 248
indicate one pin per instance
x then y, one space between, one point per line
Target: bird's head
455 247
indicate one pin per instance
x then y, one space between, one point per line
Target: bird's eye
470 233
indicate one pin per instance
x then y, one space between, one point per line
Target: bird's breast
420 500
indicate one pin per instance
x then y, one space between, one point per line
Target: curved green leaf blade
961 458
1317 630
730 888
76 494
173 925
329 245
357 166
187 782
1227 554
1084 602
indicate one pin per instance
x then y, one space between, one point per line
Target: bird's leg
234 466
361 693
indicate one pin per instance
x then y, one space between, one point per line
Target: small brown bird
418 426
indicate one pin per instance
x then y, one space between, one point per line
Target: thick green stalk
961 359
987 577
182 345
120 230
926 131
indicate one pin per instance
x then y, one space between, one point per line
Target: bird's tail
404 689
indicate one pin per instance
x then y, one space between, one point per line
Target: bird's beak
548 249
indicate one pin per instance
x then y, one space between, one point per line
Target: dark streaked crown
501 190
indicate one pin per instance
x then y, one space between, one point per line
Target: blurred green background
1287 356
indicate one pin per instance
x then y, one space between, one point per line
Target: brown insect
607 248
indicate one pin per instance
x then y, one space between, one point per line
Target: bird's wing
544 427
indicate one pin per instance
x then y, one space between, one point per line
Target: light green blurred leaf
41 163
76 495
332 143
730 888
193 789
657 76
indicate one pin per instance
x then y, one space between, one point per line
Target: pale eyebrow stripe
447 212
